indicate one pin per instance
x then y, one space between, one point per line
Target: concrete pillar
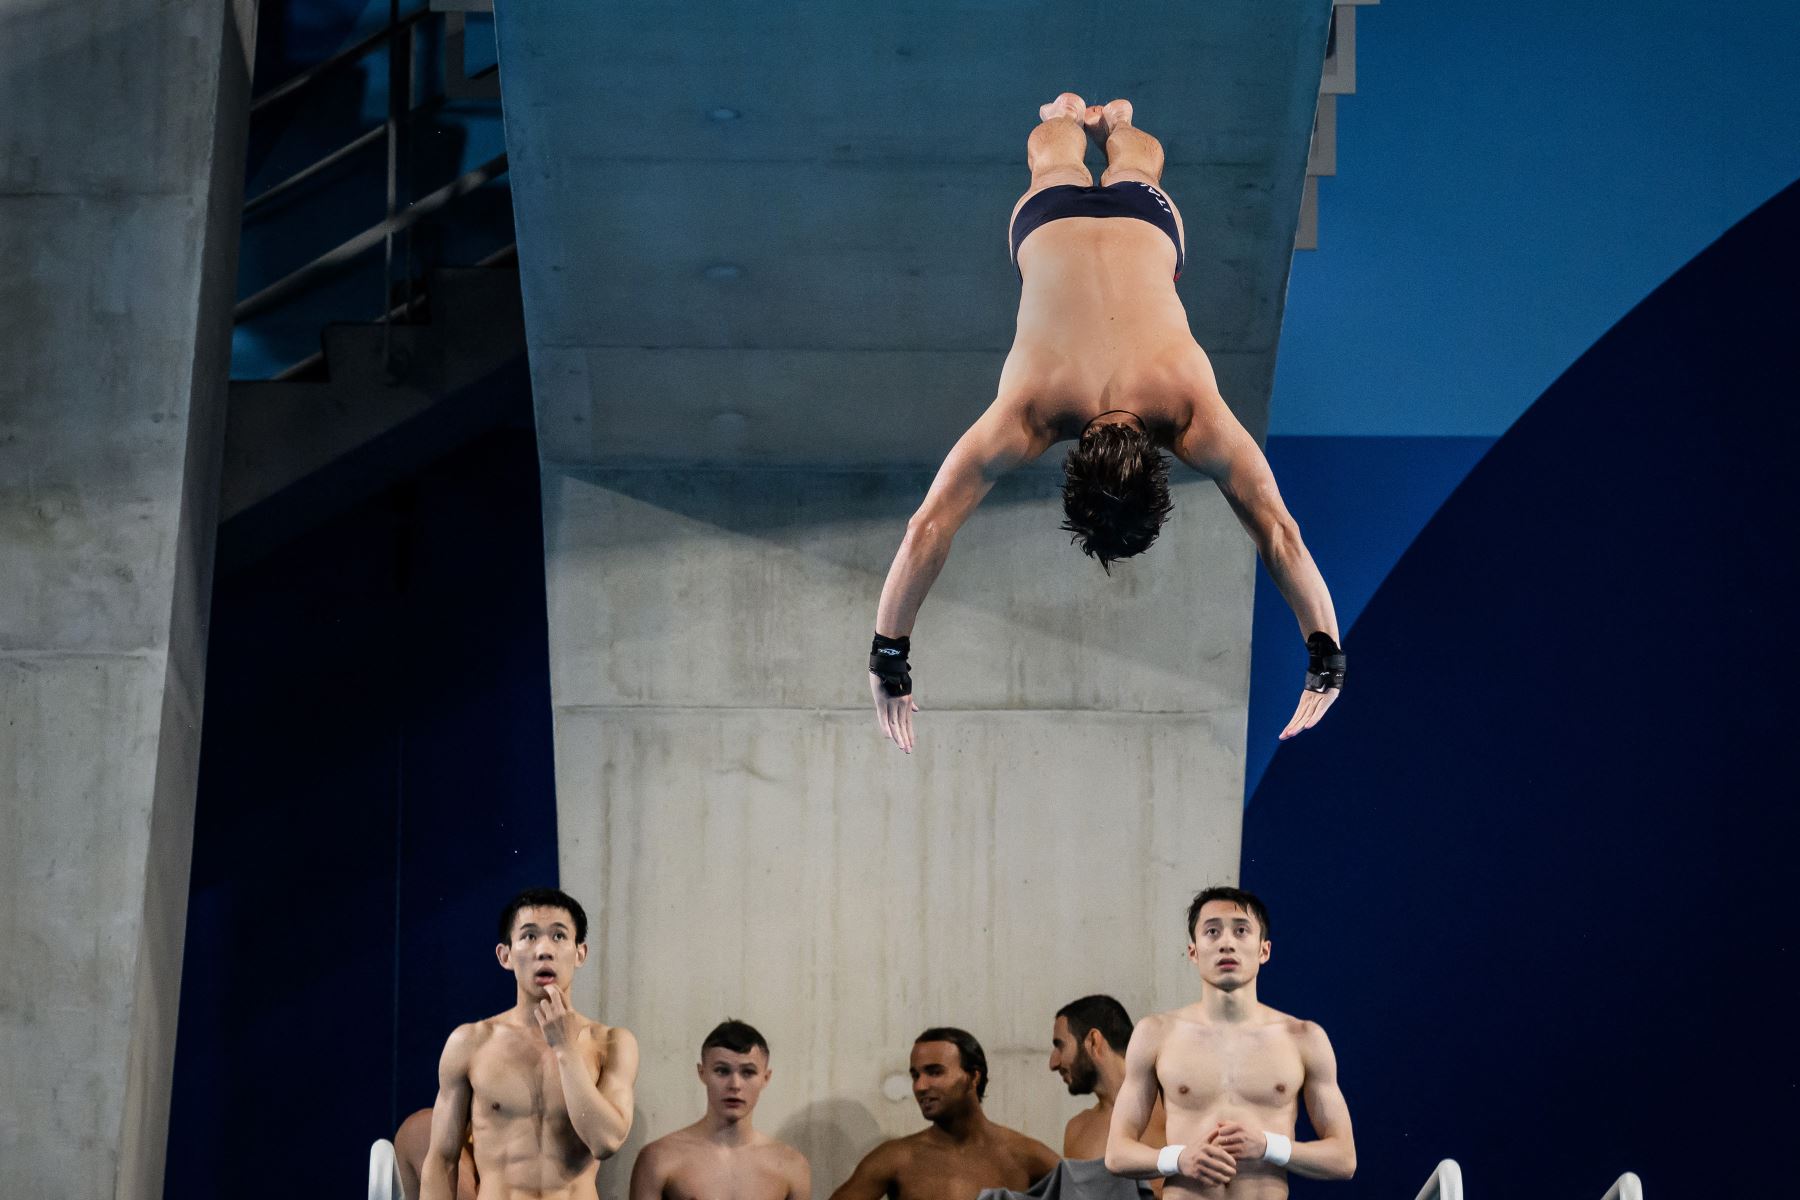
751 847
121 167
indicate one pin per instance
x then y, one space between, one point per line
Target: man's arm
1216 445
798 1173
1333 1154
649 1173
449 1118
995 444
1126 1152
1040 1159
874 1177
599 1110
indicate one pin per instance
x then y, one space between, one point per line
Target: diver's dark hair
1115 492
974 1058
1238 896
1102 1013
739 1037
543 898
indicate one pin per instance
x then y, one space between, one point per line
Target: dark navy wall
376 780
1533 874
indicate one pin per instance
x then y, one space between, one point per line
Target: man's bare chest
515 1076
1198 1070
743 1175
956 1173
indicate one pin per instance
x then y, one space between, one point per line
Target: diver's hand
893 714
1312 706
1324 680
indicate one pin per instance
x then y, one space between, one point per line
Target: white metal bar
1445 1183
1627 1187
384 1172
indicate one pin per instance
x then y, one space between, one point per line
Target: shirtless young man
961 1151
722 1156
1231 1072
1103 355
546 1091
1087 1048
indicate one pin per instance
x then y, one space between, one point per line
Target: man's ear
1267 948
1193 953
503 952
1094 1043
580 954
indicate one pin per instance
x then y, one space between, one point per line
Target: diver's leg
1131 154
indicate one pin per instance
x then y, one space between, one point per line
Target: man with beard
961 1151
545 1091
723 1153
1232 1072
1087 1048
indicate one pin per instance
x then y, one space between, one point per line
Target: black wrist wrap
887 662
1324 664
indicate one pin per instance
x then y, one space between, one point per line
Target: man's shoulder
472 1035
1152 1028
1298 1028
1019 1142
612 1039
787 1157
902 1149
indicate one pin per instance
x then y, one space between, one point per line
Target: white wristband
1279 1150
1168 1160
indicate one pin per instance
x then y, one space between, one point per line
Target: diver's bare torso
1100 328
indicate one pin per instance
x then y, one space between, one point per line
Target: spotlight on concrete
723 271
723 114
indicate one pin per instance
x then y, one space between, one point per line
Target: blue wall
376 781
1533 875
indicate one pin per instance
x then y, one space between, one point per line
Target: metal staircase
396 339
1338 79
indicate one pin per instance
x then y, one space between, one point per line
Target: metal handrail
399 312
299 177
1445 1183
289 86
333 259
1626 1187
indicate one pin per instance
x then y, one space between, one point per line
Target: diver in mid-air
1103 355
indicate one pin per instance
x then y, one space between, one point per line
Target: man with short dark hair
1102 355
1232 1073
545 1090
723 1154
1087 1048
961 1151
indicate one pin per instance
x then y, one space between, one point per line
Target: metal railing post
1445 1183
1626 1187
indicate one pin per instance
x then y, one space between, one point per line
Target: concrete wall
750 846
120 176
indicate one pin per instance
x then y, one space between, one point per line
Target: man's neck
1229 1008
1110 1077
965 1125
722 1131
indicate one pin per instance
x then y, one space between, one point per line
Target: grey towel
1076 1179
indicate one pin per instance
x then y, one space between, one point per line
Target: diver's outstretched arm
1218 446
995 444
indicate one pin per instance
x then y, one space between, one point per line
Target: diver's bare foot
1093 120
1116 114
1066 105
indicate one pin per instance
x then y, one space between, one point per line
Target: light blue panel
1512 181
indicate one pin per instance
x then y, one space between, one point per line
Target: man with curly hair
1100 327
